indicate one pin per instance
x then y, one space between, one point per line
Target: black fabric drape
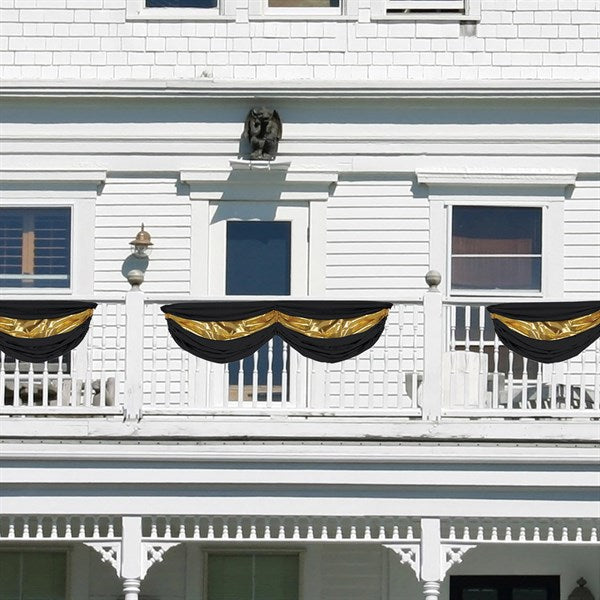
321 349
547 350
41 349
236 311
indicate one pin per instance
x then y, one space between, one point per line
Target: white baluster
386 369
524 386
511 400
59 381
240 384
255 379
16 384
30 388
45 384
2 379
270 373
284 375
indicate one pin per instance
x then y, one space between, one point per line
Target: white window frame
138 11
469 11
260 9
264 212
495 292
545 190
74 190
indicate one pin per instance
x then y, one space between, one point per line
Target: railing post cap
433 279
135 277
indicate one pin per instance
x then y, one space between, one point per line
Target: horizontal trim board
275 90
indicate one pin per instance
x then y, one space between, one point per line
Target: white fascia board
322 452
94 177
497 178
301 89
222 175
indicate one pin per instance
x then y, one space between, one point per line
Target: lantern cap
143 239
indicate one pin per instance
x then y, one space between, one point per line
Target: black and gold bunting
328 331
41 330
547 332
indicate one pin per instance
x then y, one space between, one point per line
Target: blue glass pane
258 263
258 258
496 230
181 3
35 247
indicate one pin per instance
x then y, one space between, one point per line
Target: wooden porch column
131 557
431 558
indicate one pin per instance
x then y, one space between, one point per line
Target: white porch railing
436 360
276 379
88 380
484 378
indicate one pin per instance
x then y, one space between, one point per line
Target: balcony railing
436 360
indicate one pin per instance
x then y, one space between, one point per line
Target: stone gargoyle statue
263 130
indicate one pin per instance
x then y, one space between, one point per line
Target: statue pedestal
260 165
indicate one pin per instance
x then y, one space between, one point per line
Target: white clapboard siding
352 573
121 208
377 239
582 239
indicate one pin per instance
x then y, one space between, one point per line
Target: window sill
430 17
296 17
176 14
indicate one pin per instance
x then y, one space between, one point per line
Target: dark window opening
505 587
181 3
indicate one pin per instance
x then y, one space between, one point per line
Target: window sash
35 247
495 262
34 575
267 576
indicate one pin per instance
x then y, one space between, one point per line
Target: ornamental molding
409 554
25 176
452 554
110 553
154 552
260 181
497 178
208 88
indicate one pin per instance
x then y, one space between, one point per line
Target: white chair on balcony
464 380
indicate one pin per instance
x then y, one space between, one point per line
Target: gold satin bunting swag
43 328
551 330
315 328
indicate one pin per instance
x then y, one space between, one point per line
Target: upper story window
33 575
438 10
304 3
501 587
35 247
496 248
181 3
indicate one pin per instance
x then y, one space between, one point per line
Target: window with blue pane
496 248
181 3
35 247
258 262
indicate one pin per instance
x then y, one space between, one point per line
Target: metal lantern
141 246
581 592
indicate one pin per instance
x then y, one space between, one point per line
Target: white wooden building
436 465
